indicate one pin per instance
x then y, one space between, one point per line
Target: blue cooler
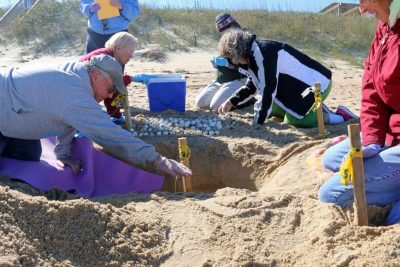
167 91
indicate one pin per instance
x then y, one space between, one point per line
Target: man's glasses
111 86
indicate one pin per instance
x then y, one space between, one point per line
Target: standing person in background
121 46
99 31
228 80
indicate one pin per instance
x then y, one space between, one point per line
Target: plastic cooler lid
170 77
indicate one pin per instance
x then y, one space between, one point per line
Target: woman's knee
333 156
334 192
202 101
324 194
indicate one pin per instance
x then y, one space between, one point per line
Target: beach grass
52 24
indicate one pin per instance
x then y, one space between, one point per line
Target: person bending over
278 74
40 102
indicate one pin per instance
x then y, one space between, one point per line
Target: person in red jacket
121 46
379 117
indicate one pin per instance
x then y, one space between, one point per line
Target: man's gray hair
234 45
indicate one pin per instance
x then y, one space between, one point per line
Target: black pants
20 149
96 41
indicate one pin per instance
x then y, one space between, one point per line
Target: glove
142 78
94 8
171 167
219 61
127 79
371 150
118 121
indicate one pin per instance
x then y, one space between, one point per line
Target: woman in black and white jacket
278 75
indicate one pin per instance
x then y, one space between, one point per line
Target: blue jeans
381 174
20 149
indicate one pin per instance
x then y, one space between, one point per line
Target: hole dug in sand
218 162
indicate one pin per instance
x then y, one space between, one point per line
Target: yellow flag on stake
346 170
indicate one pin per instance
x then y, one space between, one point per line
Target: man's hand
74 164
219 61
371 150
142 78
225 107
94 8
116 3
171 167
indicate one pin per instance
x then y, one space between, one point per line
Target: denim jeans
381 174
20 149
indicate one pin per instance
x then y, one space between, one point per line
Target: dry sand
256 202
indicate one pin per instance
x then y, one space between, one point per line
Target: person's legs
311 119
3 143
277 111
20 149
225 92
382 181
203 100
333 156
95 41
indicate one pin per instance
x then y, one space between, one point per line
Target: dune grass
52 24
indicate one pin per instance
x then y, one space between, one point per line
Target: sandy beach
255 201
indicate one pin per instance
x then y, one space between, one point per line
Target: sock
335 119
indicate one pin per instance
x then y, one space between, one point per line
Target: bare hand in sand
171 167
225 107
74 164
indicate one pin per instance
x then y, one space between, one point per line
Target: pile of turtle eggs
164 126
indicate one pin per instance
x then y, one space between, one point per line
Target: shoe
119 121
345 113
326 109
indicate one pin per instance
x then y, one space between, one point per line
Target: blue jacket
129 13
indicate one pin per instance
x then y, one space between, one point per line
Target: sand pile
256 202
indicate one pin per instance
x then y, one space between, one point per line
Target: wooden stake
320 114
184 158
127 113
360 205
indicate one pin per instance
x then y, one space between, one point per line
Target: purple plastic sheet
102 174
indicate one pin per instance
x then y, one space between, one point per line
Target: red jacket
113 111
380 102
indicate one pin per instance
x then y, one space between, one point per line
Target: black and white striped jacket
278 74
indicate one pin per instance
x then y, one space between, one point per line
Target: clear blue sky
293 5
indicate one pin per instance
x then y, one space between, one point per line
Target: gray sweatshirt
56 101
